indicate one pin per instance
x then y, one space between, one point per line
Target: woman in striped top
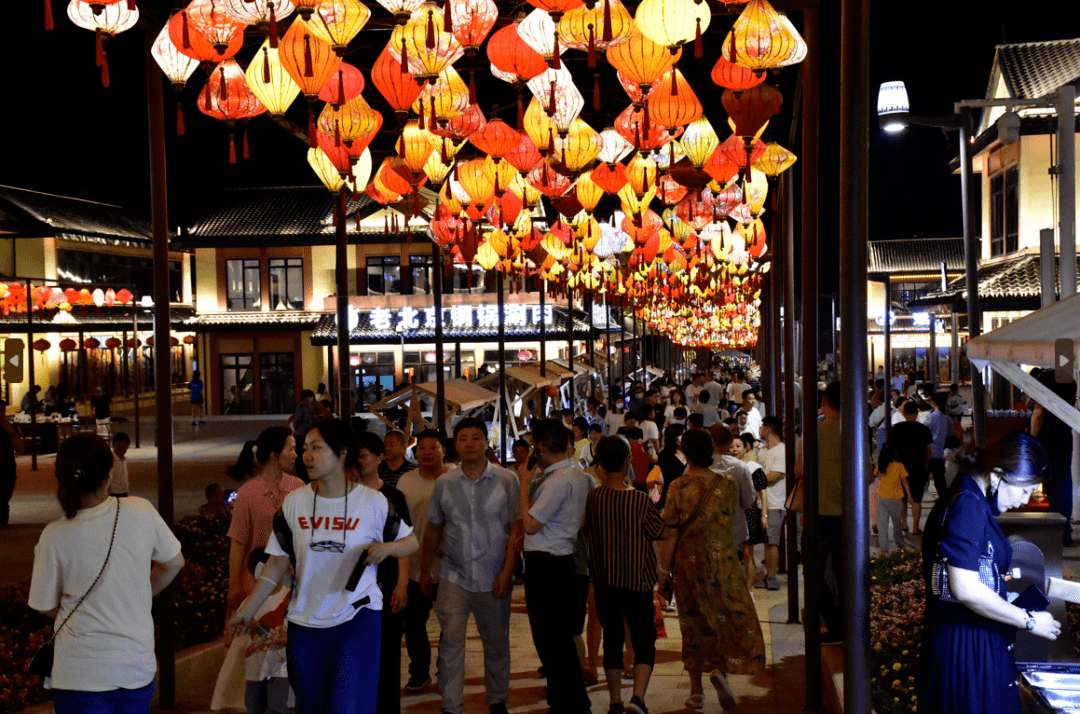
621 523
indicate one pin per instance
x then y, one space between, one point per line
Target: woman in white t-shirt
114 554
334 532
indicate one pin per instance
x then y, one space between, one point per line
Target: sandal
723 690
695 702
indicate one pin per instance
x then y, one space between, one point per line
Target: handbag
939 572
794 500
42 662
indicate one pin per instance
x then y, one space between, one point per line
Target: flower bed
897 602
198 594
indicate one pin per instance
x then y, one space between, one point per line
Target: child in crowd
267 679
216 504
118 476
892 489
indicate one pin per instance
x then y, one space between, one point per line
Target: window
107 269
421 266
244 285
287 283
384 275
904 293
1005 212
468 278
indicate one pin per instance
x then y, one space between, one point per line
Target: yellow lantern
339 21
775 161
413 147
499 242
355 120
634 204
326 171
588 193
759 39
755 191
641 60
475 181
641 175
361 171
554 246
539 127
581 145
501 174
582 25
486 256
435 169
269 82
425 62
447 95
699 141
448 199
672 23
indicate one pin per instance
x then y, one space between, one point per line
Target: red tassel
442 152
596 92
247 154
335 219
592 46
48 15
309 66
404 58
420 120
266 66
337 134
732 57
674 84
273 26
430 30
697 39
341 86
232 149
223 87
131 5
99 50
386 224
472 88
186 40
206 94
556 61
313 140
551 142
179 119
520 115
645 121
607 21
551 101
448 21
104 71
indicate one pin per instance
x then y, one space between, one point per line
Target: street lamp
892 106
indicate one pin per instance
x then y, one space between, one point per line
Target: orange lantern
226 95
398 87
344 85
496 140
310 61
206 32
672 102
734 76
513 56
524 156
750 110
641 60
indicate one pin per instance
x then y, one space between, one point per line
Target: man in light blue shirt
474 513
552 517
941 426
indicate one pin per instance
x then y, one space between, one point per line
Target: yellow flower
904 652
896 667
877 647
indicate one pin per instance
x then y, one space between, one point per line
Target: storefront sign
459 316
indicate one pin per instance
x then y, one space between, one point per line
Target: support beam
811 69
440 346
502 365
888 357
1066 164
159 220
788 249
972 251
342 275
854 445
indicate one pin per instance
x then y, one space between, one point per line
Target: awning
1031 341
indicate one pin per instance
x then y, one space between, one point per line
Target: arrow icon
1062 360
15 360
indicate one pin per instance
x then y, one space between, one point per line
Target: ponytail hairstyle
1017 457
886 457
245 464
83 463
259 451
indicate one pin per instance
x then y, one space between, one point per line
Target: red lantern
750 110
67 344
611 178
226 95
189 339
150 341
463 126
173 342
42 345
134 342
92 343
72 295
524 156
188 31
556 8
124 296
113 342
398 88
496 140
345 84
735 76
510 54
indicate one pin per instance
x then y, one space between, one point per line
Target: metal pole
502 366
775 298
931 356
342 275
137 367
811 68
1047 258
888 357
607 350
589 346
972 251
1066 164
162 354
570 344
440 368
542 395
30 351
954 349
854 228
789 393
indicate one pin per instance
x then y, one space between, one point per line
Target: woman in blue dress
966 661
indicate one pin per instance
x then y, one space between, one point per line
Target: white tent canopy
1030 340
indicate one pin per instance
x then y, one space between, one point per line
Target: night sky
65 134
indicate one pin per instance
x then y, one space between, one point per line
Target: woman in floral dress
720 629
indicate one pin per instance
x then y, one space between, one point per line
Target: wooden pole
440 376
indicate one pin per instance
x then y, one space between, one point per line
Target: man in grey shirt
475 515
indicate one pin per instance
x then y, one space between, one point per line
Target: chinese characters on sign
459 317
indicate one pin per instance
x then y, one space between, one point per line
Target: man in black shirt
914 443
394 464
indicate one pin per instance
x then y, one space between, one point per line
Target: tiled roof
90 320
920 255
1009 281
278 318
43 213
302 212
1034 69
325 332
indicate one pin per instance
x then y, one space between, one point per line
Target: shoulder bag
42 663
939 572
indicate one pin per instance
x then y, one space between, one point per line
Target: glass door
237 383
277 394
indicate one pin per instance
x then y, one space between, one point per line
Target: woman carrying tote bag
96 571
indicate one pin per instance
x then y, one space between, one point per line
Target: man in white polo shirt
773 458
